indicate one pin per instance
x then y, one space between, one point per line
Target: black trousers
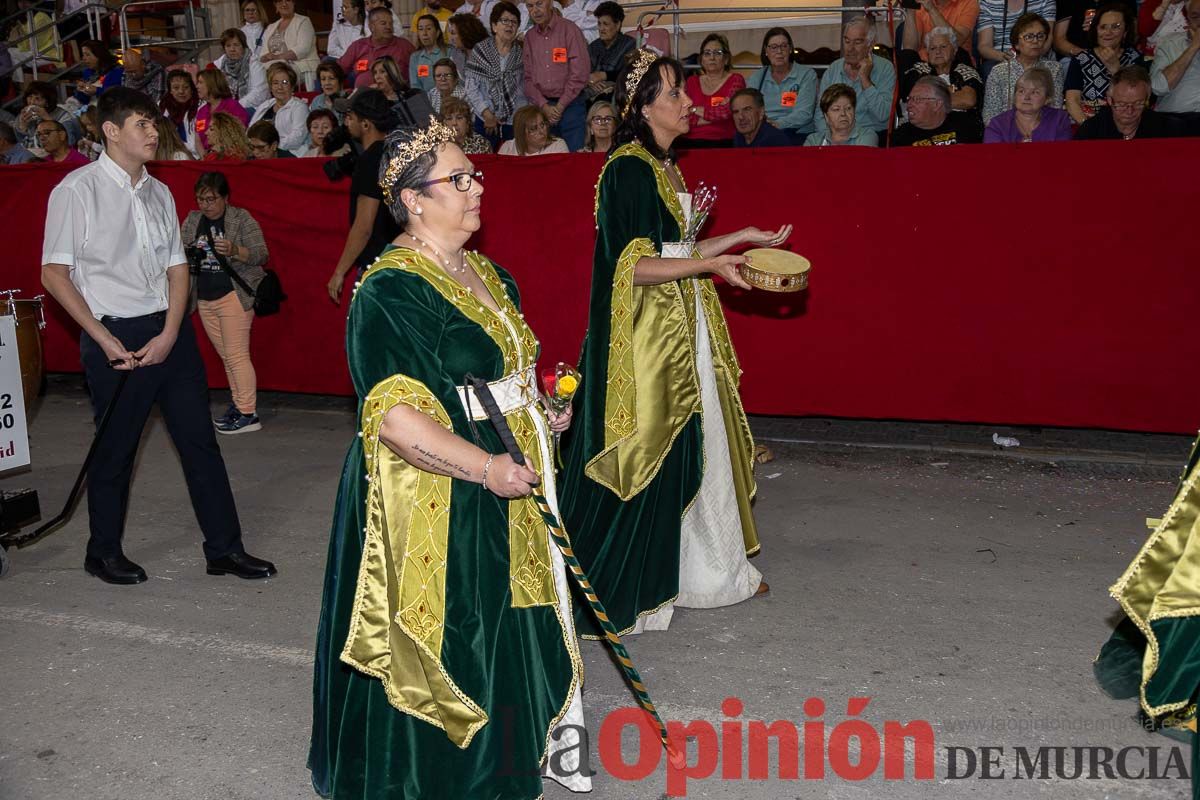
180 388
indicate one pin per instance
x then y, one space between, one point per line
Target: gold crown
402 155
638 66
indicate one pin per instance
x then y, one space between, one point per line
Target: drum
776 270
31 319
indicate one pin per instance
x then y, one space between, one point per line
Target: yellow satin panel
1164 580
652 388
530 577
399 612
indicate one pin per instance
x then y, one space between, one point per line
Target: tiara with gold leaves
422 142
638 66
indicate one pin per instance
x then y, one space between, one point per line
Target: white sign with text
14 437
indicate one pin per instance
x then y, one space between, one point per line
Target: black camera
195 258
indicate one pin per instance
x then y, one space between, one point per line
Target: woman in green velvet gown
1154 654
447 665
658 478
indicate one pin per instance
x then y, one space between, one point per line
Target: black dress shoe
243 565
117 569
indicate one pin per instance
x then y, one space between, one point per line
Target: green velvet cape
481 680
634 456
1154 654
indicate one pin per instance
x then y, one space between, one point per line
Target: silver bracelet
487 466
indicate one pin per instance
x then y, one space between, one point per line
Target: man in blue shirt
872 78
750 120
11 151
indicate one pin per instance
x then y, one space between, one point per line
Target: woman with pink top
213 91
711 90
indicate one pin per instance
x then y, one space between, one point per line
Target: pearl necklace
460 269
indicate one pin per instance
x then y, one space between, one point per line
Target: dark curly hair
634 124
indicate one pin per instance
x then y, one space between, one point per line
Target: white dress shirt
583 14
343 35
117 237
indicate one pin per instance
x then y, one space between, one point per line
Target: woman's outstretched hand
763 238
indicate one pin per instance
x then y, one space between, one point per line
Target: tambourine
776 270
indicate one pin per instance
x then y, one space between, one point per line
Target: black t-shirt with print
960 127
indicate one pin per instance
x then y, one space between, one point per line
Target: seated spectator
440 13
601 125
1074 20
457 116
349 26
1031 119
464 31
53 137
750 122
1175 76
931 120
412 106
42 50
496 76
332 79
11 149
431 48
226 139
556 71
91 142
1111 37
41 103
291 40
170 146
254 25
710 90
608 51
285 111
966 89
1128 115
997 30
532 135
837 108
214 95
264 142
1029 36
180 104
100 71
357 60
147 79
244 74
232 241
398 25
872 77
321 123
788 89
1157 21
958 15
445 84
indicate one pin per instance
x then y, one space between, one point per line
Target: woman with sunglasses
447 664
712 90
1029 36
789 89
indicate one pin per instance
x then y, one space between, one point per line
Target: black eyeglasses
463 181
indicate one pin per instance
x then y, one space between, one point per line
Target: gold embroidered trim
648 613
665 191
402 576
1177 713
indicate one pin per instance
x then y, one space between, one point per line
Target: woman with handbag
226 251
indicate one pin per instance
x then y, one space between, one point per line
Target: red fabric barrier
1052 299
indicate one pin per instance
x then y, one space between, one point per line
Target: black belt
155 316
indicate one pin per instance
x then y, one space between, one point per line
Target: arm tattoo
435 463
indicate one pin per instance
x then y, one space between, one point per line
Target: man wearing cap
369 119
357 60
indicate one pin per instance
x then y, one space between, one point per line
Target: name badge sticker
422 70
201 125
361 65
559 55
787 99
716 100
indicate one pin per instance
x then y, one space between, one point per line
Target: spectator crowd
535 77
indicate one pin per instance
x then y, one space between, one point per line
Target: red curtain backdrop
1032 284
